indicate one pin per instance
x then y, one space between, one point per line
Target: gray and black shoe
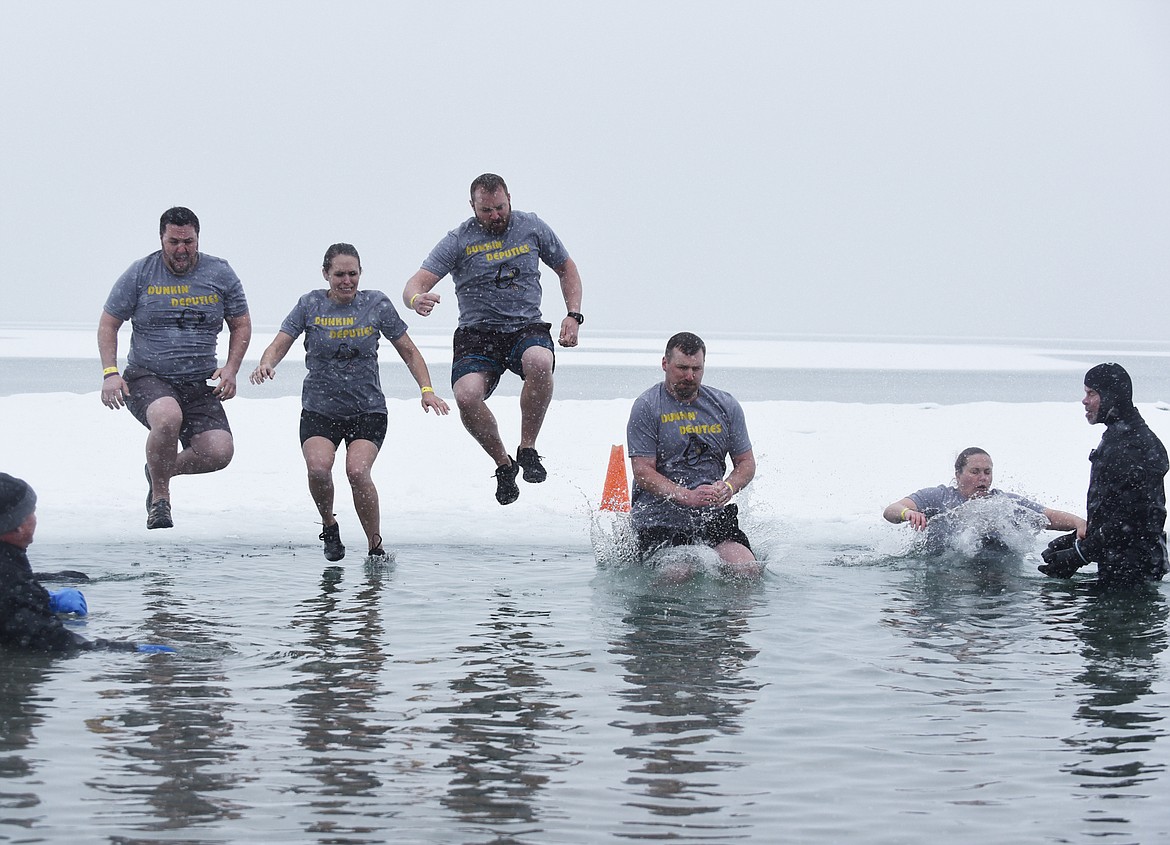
159 515
534 471
507 490
331 536
377 554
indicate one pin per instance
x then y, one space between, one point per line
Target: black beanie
1115 387
17 501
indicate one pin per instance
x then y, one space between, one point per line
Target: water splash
995 523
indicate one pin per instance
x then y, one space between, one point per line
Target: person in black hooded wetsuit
1126 505
28 619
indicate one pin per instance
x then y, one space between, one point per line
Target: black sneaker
377 554
534 471
507 490
159 515
332 537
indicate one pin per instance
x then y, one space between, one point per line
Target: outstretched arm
904 510
114 390
571 290
272 356
418 368
239 336
417 294
1064 521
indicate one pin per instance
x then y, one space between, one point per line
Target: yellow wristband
109 371
902 516
428 390
413 298
729 486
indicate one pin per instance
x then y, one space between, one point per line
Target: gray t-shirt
497 277
341 351
935 500
689 441
176 319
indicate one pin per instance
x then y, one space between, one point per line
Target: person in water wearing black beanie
28 612
1126 505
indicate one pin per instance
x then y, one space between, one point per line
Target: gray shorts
202 410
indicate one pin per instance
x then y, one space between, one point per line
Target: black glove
1064 541
1062 557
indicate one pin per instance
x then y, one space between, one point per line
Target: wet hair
489 183
177 216
340 249
686 343
1115 388
965 455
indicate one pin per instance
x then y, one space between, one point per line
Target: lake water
1152 377
753 368
519 694
469 695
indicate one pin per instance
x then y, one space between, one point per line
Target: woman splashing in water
973 478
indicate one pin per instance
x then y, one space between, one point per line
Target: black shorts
722 526
202 410
485 351
371 427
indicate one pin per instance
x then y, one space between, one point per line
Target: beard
498 227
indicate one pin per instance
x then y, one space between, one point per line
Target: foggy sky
983 169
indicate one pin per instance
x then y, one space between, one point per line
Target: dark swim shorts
371 427
202 410
483 351
722 526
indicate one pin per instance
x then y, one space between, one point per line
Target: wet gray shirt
176 320
341 351
689 441
497 277
935 500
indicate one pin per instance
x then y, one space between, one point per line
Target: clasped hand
709 495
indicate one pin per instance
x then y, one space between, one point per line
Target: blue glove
68 600
150 648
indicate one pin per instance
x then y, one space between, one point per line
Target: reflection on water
683 653
526 697
500 732
21 714
1121 634
336 699
973 621
962 606
170 719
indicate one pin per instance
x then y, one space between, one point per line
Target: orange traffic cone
616 495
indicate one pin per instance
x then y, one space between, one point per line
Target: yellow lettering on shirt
334 321
484 247
342 334
714 428
504 255
167 290
190 301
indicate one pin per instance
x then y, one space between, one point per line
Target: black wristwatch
580 318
